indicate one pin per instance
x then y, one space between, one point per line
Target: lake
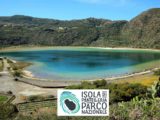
71 63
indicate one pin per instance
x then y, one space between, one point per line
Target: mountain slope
144 30
141 32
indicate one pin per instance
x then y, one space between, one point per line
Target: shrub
100 83
157 72
50 96
139 110
35 98
118 92
154 90
6 111
17 73
83 85
9 92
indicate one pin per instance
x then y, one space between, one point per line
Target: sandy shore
133 74
31 48
29 75
44 83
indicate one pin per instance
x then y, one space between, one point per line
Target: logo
85 102
69 102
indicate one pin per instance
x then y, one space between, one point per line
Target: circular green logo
69 102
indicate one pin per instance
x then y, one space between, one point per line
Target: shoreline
29 79
29 75
64 83
31 48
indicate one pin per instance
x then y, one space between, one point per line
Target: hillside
142 31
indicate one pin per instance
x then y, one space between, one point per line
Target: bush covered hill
141 32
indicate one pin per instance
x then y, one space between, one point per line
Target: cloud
120 2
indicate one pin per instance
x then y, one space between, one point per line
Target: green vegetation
39 98
133 110
118 92
6 111
140 105
17 73
140 32
146 80
34 98
34 107
17 67
154 90
3 98
138 108
157 72
1 65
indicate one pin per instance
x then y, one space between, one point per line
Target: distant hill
142 31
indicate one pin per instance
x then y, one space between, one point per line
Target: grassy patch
37 105
1 65
157 72
3 98
146 80
6 111
39 98
18 65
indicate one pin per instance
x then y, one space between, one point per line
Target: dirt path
20 89
5 66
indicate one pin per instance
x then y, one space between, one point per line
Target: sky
77 9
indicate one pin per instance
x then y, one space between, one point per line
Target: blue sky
77 9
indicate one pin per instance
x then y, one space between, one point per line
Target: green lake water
69 63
